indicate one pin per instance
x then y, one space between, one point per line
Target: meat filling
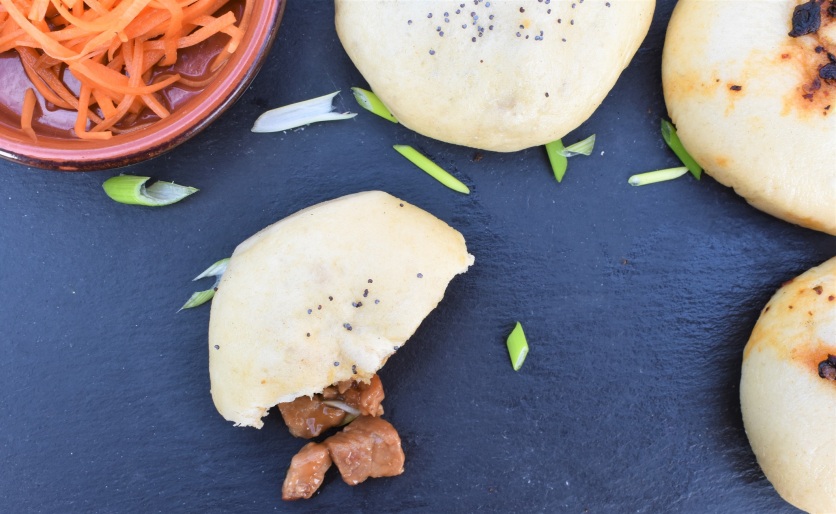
308 417
368 447
366 398
307 469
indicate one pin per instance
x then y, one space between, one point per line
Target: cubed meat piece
307 417
307 469
366 398
367 447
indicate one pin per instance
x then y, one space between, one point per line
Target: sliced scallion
517 347
432 169
299 114
672 139
215 270
348 419
558 161
131 190
200 297
651 177
558 154
371 102
342 406
580 148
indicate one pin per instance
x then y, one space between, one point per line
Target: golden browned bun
325 295
752 106
493 74
788 390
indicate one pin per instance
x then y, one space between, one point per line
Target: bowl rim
166 134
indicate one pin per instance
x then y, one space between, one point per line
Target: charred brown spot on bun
811 21
827 368
806 18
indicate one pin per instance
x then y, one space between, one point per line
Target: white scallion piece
131 190
300 114
215 270
200 297
342 406
651 177
580 148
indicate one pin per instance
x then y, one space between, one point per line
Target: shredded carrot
115 50
30 101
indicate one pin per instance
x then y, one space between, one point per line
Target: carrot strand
112 48
42 87
81 119
30 101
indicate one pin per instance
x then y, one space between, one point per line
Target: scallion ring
431 168
371 102
200 297
131 190
517 347
672 139
651 177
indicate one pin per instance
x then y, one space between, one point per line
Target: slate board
637 303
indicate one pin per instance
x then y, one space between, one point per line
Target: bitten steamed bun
788 390
325 295
492 74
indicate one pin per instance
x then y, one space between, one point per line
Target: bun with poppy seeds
498 75
323 296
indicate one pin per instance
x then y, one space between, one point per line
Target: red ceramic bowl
192 110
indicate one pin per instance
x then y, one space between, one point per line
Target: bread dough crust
325 295
750 107
789 411
504 75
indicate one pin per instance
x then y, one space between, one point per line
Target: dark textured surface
637 303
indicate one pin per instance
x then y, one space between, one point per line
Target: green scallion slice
580 148
432 168
651 177
558 161
517 347
670 137
130 189
200 297
371 102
